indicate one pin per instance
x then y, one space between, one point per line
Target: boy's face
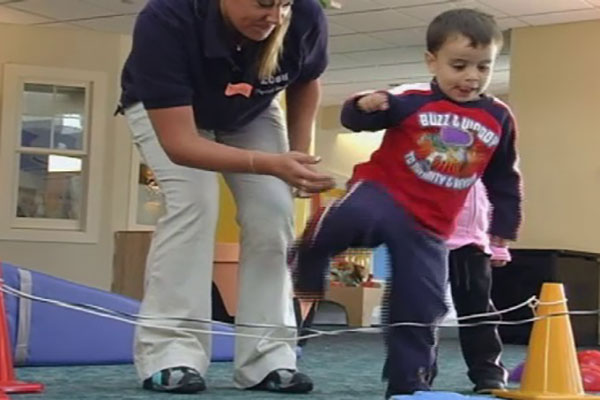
463 72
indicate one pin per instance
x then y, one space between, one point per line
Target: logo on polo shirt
242 88
273 84
276 80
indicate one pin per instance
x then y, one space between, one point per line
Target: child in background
440 138
471 258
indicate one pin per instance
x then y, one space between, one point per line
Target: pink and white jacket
473 222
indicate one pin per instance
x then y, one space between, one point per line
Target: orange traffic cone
8 383
551 368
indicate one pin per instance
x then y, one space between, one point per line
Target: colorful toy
589 364
347 273
587 357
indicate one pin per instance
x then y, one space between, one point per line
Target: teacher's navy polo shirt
183 54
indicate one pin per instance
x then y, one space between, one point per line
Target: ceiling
373 44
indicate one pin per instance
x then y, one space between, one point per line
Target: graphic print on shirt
273 84
447 154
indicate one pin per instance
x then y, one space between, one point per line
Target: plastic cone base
516 394
21 387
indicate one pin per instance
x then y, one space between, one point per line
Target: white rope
527 303
550 303
103 310
133 319
14 292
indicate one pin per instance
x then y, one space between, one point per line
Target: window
53 173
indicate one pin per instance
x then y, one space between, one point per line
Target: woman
199 93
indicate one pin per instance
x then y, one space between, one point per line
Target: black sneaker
391 392
487 386
176 380
285 381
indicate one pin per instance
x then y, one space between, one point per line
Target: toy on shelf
345 273
352 268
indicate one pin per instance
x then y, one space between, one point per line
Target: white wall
89 264
555 94
340 149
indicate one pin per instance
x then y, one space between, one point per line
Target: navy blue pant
368 217
471 283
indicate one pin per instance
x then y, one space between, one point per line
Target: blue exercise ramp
45 334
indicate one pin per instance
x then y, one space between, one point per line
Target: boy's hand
373 102
500 253
498 241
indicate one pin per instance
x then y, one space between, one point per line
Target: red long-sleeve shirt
433 151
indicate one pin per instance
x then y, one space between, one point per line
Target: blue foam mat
435 396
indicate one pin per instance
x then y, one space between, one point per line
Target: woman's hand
373 102
296 169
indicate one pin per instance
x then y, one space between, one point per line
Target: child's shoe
486 386
285 381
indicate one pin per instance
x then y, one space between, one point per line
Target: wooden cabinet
129 263
225 274
359 302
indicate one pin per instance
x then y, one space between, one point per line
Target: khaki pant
180 261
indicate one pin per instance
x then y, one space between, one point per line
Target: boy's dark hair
479 27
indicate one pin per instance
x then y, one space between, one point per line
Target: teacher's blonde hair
272 49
